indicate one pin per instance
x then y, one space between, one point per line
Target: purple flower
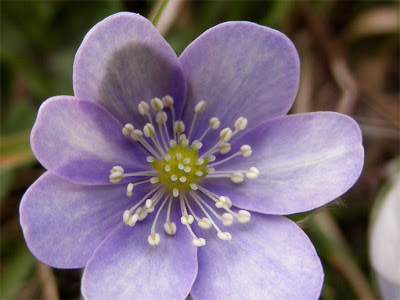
197 140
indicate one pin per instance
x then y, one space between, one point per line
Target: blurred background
349 53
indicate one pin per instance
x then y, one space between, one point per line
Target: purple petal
240 69
124 60
81 141
125 266
305 161
63 222
270 257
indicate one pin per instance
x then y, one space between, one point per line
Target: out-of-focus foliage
350 62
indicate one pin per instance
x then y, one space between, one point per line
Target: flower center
178 172
180 169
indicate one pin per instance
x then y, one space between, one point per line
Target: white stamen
128 128
225 236
175 192
129 189
170 228
117 168
199 242
157 104
180 167
237 177
167 157
199 161
200 107
225 134
252 173
182 179
225 148
154 180
241 124
142 213
126 216
116 176
187 169
199 173
211 158
153 239
178 156
143 108
243 216
149 205
161 117
187 219
132 220
172 143
227 219
150 159
214 123
197 144
167 168
246 150
136 135
186 160
204 223
148 130
174 178
168 101
193 186
179 127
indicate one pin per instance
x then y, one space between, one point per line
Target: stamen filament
225 159
153 227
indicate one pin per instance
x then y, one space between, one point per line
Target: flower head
166 176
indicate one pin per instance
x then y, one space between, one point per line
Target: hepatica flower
168 176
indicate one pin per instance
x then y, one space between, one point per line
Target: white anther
157 104
167 168
168 101
150 159
149 205
187 219
194 186
143 108
225 134
116 176
225 236
167 157
241 123
126 216
175 192
174 177
214 123
132 220
148 130
182 179
227 219
170 228
211 158
243 216
225 148
117 168
178 156
180 167
187 169
154 180
179 127
182 137
237 177
186 160
153 239
128 128
222 200
228 202
246 150
204 223
185 142
252 173
199 173
129 189
199 242
199 162
197 144
142 213
136 135
161 117
210 170
172 143
200 107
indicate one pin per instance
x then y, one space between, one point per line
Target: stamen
169 227
157 104
128 128
252 173
130 186
225 148
214 124
197 110
240 124
237 178
154 238
179 127
143 108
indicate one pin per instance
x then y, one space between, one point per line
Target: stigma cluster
177 171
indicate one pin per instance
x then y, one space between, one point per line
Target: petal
124 60
305 161
268 258
240 69
81 141
64 222
125 266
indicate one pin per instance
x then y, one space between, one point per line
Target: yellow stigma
180 167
